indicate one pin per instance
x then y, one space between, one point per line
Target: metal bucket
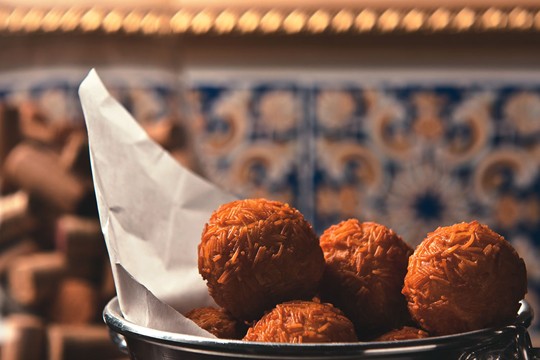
141 343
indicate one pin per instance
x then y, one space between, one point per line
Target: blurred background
414 114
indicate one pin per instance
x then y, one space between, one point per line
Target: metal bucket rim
116 322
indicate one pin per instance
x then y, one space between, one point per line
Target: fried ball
405 333
257 253
303 322
217 322
464 277
365 267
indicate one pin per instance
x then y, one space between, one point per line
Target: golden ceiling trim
273 21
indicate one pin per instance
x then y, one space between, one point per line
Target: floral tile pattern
249 140
417 158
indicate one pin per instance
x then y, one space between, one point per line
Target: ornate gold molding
149 22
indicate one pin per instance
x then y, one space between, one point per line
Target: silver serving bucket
141 343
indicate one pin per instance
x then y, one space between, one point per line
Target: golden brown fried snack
217 322
303 322
405 333
365 267
257 253
464 277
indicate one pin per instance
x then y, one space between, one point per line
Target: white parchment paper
152 212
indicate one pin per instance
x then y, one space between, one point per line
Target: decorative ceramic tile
416 158
249 139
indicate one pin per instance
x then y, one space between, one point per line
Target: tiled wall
413 155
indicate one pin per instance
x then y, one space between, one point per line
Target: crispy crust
217 322
365 267
256 253
464 277
405 333
303 322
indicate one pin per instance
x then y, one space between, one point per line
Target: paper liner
152 212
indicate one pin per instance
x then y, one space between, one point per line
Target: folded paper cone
152 212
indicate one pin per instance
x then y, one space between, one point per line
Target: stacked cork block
55 275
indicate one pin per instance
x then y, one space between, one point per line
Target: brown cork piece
19 249
76 302
75 156
35 126
10 132
33 279
81 241
16 221
81 342
25 338
38 171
